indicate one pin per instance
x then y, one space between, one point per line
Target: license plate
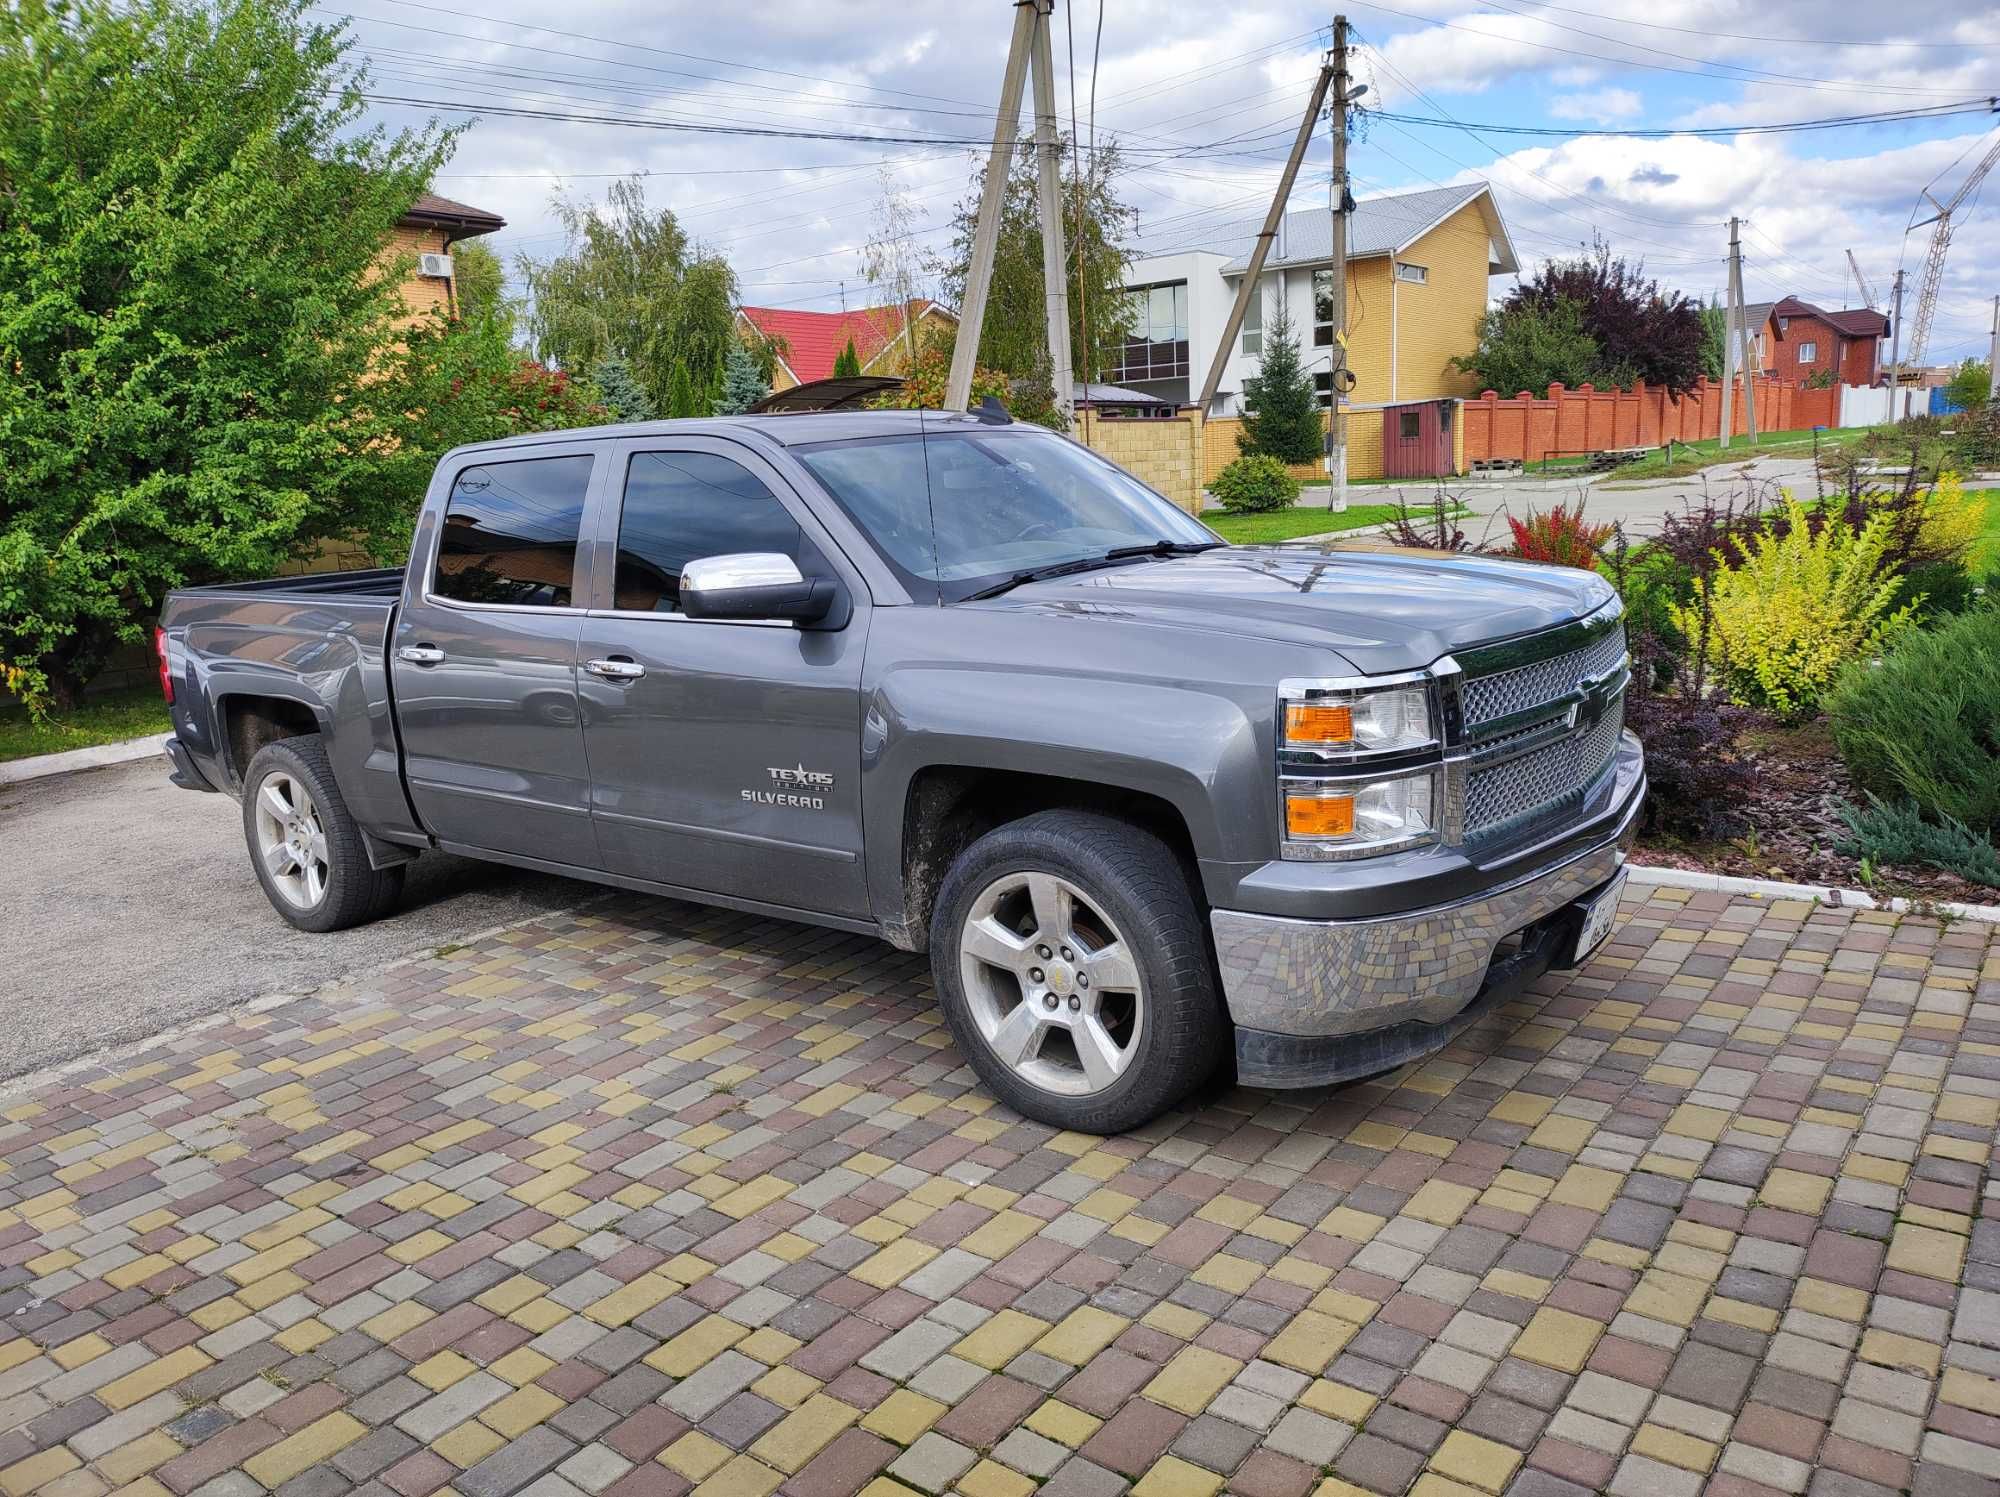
1599 914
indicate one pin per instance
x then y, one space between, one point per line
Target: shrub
1924 725
1560 536
1899 834
1251 485
1796 607
1432 527
1699 782
1977 440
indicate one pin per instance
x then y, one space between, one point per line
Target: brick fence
1590 420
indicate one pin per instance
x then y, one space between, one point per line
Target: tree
191 302
443 384
1641 332
894 266
923 387
1281 408
624 397
1714 330
628 282
681 399
1015 335
479 286
743 383
1971 385
846 362
1530 346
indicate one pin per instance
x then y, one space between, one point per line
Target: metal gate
1417 439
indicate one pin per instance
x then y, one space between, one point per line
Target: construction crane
1933 280
1867 291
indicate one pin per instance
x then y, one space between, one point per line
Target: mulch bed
1794 825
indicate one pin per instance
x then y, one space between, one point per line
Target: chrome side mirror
754 585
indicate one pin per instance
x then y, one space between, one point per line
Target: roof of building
1377 226
1757 313
1854 322
813 340
448 213
1095 394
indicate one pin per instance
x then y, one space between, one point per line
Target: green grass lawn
131 713
1986 553
1295 523
1692 457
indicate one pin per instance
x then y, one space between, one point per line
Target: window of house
1323 383
1405 271
1322 308
509 534
1408 426
1156 345
1253 323
1808 351
1784 326
681 506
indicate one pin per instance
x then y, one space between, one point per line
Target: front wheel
305 847
1071 963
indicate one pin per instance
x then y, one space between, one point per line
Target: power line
1986 105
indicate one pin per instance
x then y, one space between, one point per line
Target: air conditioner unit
434 265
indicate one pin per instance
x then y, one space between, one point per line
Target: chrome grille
1504 693
1541 783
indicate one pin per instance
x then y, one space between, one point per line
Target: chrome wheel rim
291 841
1052 986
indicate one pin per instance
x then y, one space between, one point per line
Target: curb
40 766
1768 888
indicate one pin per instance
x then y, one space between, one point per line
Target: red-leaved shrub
1561 536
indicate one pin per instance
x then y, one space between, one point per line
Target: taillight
166 671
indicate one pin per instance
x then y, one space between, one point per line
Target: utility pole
1993 356
986 235
1336 425
1055 264
1895 346
1729 349
1745 360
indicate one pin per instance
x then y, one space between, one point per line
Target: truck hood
1381 613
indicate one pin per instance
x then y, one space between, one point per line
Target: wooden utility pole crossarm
1248 286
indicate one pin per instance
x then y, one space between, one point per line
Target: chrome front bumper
1323 981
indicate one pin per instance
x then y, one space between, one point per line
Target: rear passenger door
484 660
725 755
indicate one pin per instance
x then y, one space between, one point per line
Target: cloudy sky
1203 101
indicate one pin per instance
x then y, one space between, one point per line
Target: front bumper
1320 1001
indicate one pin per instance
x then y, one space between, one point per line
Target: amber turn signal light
1319 815
1318 722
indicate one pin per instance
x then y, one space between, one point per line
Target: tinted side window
680 506
510 532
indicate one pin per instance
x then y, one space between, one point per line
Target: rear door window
510 533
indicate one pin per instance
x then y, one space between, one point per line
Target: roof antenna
992 412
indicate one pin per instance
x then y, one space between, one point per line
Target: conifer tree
1281 408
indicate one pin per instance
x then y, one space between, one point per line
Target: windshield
959 509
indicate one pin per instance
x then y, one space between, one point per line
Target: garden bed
1793 823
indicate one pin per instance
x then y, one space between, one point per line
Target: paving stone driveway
653 1199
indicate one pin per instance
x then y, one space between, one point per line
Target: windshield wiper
1086 563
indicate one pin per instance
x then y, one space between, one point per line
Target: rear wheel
305 847
1071 963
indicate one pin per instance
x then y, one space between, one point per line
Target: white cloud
1602 107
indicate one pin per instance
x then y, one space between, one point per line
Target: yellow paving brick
1355 1226
442 1370
134 1459
694 1455
302 1336
998 1237
520 1411
742 1477
787 1387
1970 1390
803 1433
1524 1108
1927 1251
1081 1335
628 1301
1558 1339
754 1196
1338 1401
894 1263
1309 1341
1668 1297
468 1444
1063 1423
145 1381
696 1346
1178 1321
1794 1190
396 1320
904 1415
1674 1448
1001 1339
1440 1202
1227 1272
1587 1186
989 1478
1820 1297
1892 1349
1476 1461
1170 1476
314 1445
1191 1379
37 1471
71 1354
521 1366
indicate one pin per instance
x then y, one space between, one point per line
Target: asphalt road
127 905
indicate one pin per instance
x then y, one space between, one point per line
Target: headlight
1333 721
1353 817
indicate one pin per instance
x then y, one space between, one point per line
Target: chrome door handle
615 670
420 654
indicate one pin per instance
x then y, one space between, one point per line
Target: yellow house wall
1439 320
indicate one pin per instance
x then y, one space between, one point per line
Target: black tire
353 893
1142 886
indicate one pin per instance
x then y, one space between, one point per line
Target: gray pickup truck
1149 800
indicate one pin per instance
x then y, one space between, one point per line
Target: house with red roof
807 343
1797 340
